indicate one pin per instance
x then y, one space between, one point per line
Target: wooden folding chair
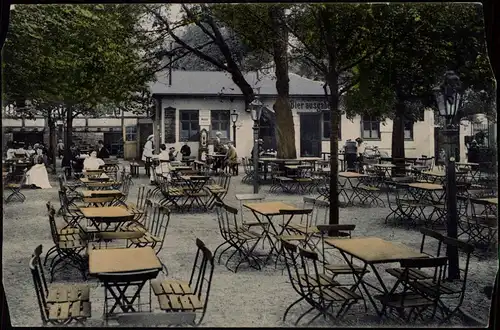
180 296
57 312
412 297
15 189
322 298
58 293
218 190
297 277
416 274
68 248
236 236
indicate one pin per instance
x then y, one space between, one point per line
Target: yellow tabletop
374 250
269 208
384 165
426 186
436 174
105 212
122 260
101 193
493 200
351 175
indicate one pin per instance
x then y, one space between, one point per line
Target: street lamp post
256 112
234 119
449 100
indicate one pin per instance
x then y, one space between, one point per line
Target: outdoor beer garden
209 238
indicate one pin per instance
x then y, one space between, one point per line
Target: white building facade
204 100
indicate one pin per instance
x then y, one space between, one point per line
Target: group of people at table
165 157
38 155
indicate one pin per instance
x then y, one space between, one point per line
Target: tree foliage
75 56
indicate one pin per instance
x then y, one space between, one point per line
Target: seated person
10 150
30 151
37 175
231 155
102 153
164 167
260 149
172 154
185 150
92 162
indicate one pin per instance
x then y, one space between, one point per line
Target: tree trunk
335 117
398 140
285 129
69 131
52 139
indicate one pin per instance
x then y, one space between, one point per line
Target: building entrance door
310 135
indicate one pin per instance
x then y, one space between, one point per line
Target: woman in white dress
164 167
92 162
37 175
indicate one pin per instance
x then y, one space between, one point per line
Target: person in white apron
37 175
164 167
92 162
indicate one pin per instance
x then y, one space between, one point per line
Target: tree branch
188 47
362 58
190 15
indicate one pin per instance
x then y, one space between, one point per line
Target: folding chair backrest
343 230
437 264
38 263
125 188
426 232
40 294
141 197
52 223
309 260
321 212
206 276
198 279
159 223
292 266
148 211
467 249
308 203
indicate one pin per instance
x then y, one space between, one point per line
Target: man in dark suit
102 152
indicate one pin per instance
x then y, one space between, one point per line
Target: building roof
219 82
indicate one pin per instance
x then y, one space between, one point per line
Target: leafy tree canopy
78 56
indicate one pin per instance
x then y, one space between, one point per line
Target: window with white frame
370 128
190 125
219 122
130 133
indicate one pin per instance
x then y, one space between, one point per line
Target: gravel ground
248 298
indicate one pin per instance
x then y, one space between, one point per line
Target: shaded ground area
249 298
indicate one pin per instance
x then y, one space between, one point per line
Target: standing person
164 166
147 153
351 154
185 150
361 151
60 148
102 152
